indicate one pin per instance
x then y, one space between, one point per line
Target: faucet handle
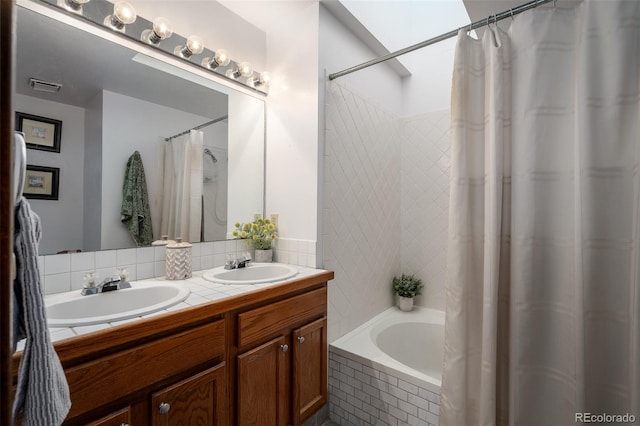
123 273
90 280
247 256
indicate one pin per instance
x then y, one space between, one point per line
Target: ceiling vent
44 86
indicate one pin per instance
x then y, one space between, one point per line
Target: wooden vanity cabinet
168 380
282 381
256 359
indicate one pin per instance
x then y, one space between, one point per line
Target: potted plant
260 234
406 287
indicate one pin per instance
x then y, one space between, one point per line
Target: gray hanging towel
42 393
135 212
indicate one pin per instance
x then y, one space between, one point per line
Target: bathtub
389 369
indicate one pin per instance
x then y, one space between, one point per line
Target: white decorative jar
263 256
405 303
178 260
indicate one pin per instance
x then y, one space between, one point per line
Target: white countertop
202 291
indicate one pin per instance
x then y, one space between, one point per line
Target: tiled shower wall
361 215
425 203
385 205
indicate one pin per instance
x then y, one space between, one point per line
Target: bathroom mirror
115 100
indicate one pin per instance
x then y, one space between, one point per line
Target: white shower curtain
182 187
543 298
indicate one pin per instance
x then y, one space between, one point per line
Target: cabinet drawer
106 379
260 323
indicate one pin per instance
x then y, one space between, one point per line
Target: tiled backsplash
65 272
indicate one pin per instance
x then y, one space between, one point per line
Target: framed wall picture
39 132
41 182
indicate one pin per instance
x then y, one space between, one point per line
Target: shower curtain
543 298
182 187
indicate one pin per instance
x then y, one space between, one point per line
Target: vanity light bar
122 18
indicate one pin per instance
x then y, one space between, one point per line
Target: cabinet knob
301 339
164 408
124 424
284 348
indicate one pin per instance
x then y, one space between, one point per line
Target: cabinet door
117 418
309 369
198 400
262 385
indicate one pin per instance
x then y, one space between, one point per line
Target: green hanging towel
135 212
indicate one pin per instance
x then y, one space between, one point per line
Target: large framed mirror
116 100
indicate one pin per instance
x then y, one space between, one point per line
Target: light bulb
194 46
262 79
244 69
265 77
72 5
161 31
220 59
123 14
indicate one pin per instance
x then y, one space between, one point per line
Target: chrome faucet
238 262
108 284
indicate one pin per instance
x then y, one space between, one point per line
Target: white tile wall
362 395
385 205
361 215
65 272
425 203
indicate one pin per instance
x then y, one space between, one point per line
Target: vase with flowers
260 234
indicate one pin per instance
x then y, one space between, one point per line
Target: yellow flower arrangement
260 233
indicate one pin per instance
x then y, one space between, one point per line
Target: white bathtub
408 345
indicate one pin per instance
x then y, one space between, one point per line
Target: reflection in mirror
115 101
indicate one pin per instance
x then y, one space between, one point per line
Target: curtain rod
492 18
208 123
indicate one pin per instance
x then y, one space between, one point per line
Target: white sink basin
254 274
72 309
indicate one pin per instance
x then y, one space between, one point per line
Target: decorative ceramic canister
178 265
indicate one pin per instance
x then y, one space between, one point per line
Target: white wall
341 49
58 235
122 130
92 228
401 23
292 118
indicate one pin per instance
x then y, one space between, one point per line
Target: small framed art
41 183
39 132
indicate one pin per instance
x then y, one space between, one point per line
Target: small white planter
264 256
405 303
